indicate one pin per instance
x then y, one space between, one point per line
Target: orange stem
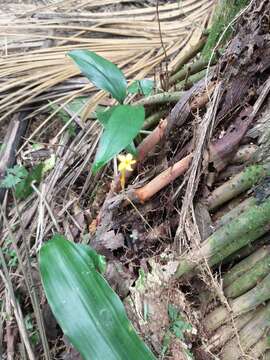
149 143
166 177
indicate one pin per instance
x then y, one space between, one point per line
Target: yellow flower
125 162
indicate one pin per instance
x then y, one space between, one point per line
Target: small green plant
20 179
10 253
33 333
121 123
178 327
14 176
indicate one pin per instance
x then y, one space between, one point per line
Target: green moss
225 11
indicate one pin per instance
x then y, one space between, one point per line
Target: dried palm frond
34 43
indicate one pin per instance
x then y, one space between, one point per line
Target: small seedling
178 327
20 179
33 333
10 253
14 176
121 123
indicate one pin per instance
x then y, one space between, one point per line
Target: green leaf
48 164
104 116
14 176
90 314
23 189
131 148
96 261
124 125
101 72
77 105
172 312
144 87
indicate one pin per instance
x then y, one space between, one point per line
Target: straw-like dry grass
34 44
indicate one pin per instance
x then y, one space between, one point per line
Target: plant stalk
244 303
251 333
249 279
245 265
248 227
162 98
238 184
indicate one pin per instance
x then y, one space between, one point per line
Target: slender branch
148 144
194 50
189 70
162 98
166 177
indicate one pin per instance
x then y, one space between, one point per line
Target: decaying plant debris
191 229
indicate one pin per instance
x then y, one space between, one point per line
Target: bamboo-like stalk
195 49
250 278
190 81
247 250
149 143
227 331
188 70
153 119
236 211
244 303
249 335
245 265
259 349
248 227
162 98
238 184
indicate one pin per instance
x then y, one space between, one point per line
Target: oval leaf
144 87
89 312
101 72
124 125
104 116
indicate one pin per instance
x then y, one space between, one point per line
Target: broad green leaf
131 148
90 314
96 261
101 72
104 116
124 125
144 87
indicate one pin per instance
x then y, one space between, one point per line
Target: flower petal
129 157
121 157
129 168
